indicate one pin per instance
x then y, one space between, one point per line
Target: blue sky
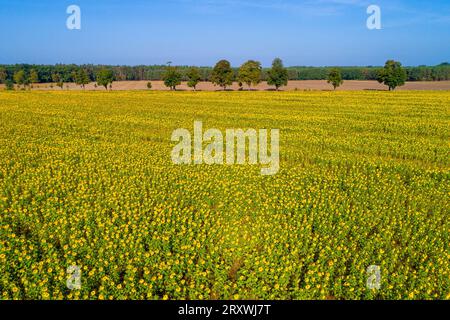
200 32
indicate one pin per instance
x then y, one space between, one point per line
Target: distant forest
154 73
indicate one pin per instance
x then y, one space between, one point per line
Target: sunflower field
86 180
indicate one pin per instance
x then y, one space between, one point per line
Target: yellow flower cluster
86 179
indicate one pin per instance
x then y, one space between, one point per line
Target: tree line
222 74
156 72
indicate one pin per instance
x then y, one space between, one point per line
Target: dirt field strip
350 85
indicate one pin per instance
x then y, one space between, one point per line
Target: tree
172 78
56 78
222 74
278 76
20 78
34 76
393 75
9 85
335 78
81 78
105 78
250 73
149 85
3 75
194 77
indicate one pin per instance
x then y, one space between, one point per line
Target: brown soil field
351 85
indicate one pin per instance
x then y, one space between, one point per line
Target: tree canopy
20 78
105 78
56 78
9 85
3 75
222 74
155 72
393 75
194 77
34 76
278 75
81 77
172 77
250 73
335 78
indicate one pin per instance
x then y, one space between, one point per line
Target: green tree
85 78
335 78
393 75
9 85
20 78
34 76
250 73
3 75
222 74
56 78
194 77
278 76
172 78
105 78
81 77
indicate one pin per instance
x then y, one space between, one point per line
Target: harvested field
350 85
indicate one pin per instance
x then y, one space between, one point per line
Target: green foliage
156 72
222 74
194 77
277 76
34 76
172 78
9 85
105 78
20 78
250 73
335 78
3 75
56 78
393 75
81 77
